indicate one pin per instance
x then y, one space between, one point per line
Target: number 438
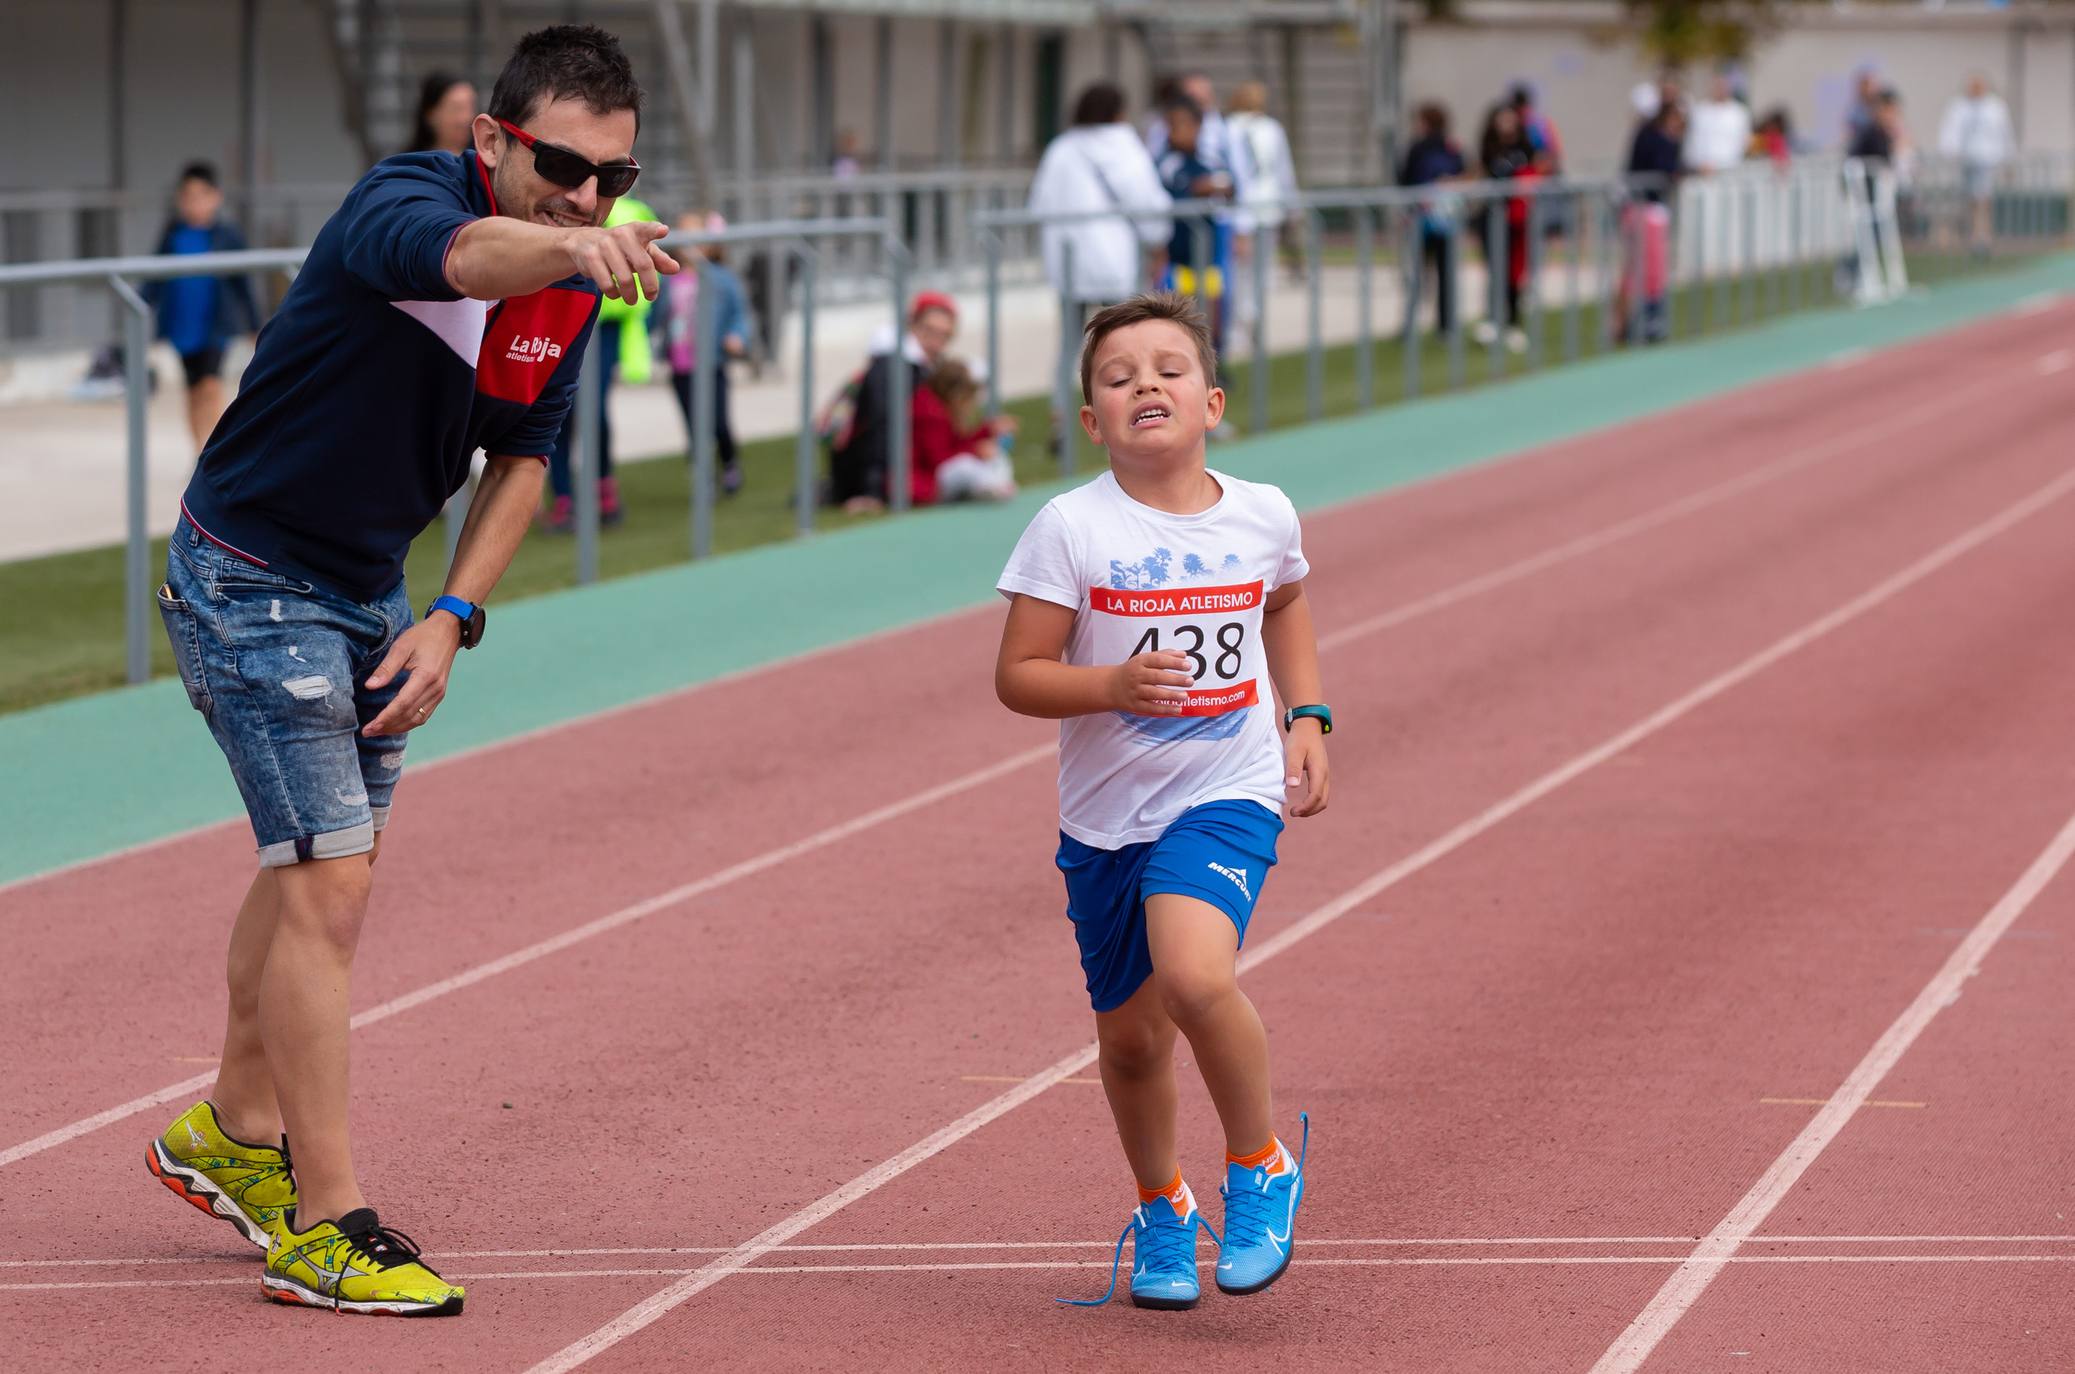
1230 637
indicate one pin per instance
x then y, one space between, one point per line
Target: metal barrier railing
1649 261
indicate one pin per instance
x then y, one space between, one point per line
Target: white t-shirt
1140 579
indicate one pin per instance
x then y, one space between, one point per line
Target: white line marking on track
1512 572
1720 1245
661 1303
991 1266
769 859
928 1246
2056 361
1737 396
1846 357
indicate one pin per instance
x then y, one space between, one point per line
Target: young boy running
1147 611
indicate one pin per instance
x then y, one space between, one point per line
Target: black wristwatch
468 613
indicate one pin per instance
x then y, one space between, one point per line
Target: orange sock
1176 1193
1257 1158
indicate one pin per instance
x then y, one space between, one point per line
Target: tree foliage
1682 32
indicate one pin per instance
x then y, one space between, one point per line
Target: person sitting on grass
1148 612
958 455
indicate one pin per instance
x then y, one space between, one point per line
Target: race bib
1219 628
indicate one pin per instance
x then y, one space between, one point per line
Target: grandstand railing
807 241
1735 245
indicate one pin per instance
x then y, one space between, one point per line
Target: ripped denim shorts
278 667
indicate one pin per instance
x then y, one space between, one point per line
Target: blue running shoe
1261 1218
1163 1255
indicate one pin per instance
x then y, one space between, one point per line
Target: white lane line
656 1306
1581 442
2056 361
991 1266
1571 549
1846 357
1699 1269
946 1246
769 859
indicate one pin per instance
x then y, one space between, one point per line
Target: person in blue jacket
199 316
443 309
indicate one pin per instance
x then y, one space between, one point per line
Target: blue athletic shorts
1219 853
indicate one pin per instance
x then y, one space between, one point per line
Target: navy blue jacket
375 383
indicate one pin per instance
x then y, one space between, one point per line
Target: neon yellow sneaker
249 1186
356 1264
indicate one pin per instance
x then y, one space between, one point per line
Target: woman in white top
1266 175
1976 132
1098 165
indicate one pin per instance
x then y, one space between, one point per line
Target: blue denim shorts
278 667
1219 853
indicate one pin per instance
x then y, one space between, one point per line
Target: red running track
1545 1056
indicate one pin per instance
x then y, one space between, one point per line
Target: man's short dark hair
566 62
204 172
1101 103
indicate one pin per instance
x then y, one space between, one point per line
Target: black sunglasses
569 170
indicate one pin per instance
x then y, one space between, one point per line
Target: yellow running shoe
356 1264
249 1186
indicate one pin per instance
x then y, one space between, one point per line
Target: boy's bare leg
1137 1063
1195 946
303 1021
244 1091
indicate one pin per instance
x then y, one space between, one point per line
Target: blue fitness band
1322 714
463 611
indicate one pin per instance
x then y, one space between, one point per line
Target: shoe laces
1164 1245
1250 1210
383 1246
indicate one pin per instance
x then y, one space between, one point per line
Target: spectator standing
1864 111
1198 253
1656 162
446 110
678 318
1540 130
1977 133
1267 170
1098 165
1506 155
1718 131
199 316
623 351
1433 160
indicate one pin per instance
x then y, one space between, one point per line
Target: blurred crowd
1192 194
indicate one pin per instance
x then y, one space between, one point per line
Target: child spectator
200 315
958 454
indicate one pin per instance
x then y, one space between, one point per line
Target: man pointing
443 309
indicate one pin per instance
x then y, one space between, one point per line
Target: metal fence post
990 245
1795 266
1413 268
136 346
1605 216
584 456
1314 326
898 400
1063 411
1456 365
1262 366
1531 292
805 458
1747 198
1577 275
705 359
1365 340
1497 272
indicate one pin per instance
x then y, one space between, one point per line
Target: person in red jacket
957 454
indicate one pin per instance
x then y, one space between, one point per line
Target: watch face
472 629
